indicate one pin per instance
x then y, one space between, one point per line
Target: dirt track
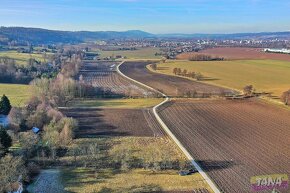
170 85
115 122
231 140
48 181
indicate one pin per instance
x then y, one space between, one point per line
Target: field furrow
232 140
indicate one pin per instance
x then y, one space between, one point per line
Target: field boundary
212 185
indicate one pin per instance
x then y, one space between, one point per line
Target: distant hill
44 36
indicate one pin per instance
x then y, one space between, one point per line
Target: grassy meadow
117 103
265 75
21 58
18 94
146 149
143 53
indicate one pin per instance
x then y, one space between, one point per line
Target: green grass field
117 103
265 75
18 94
21 58
149 149
144 53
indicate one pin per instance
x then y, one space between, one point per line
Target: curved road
231 140
164 126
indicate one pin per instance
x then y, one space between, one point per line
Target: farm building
283 51
35 130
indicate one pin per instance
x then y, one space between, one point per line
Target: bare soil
235 53
232 140
115 122
103 75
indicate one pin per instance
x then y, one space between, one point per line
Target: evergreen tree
5 105
5 139
2 151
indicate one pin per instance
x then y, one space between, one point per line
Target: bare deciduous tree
286 97
248 90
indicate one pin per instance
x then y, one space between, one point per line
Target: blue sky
156 16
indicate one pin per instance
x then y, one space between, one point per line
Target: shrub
154 66
248 90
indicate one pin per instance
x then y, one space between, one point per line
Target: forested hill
44 36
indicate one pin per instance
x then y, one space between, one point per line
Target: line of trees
185 73
204 57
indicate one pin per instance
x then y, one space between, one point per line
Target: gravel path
48 181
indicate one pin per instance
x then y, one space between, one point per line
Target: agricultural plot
138 180
18 94
103 75
139 153
230 53
271 76
115 122
22 58
170 85
99 66
232 140
127 103
142 53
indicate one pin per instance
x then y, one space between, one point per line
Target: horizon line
173 33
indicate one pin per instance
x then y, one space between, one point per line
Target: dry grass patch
117 103
152 165
137 180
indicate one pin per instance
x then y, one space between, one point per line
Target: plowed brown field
103 75
237 54
232 140
170 85
115 122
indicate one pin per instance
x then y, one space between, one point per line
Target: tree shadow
209 79
162 68
92 123
212 165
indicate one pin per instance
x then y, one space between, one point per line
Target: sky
155 16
